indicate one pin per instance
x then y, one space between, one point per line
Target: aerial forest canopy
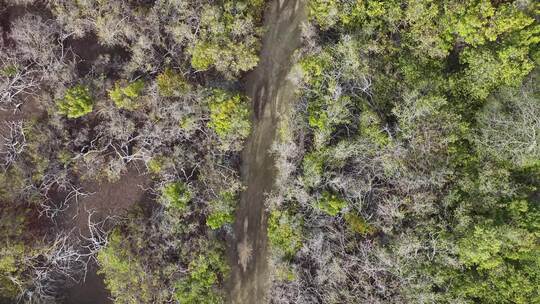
410 166
122 126
407 166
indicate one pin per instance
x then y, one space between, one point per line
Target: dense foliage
115 105
76 103
229 118
407 170
412 158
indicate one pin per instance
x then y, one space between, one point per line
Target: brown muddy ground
106 199
91 291
271 93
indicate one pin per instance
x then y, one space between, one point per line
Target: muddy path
271 93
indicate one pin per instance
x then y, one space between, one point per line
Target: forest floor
271 93
107 199
104 200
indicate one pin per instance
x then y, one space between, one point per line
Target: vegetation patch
127 96
77 102
420 114
176 195
203 274
284 233
124 274
229 118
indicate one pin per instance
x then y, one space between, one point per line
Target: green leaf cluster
285 233
171 84
9 70
358 224
229 118
200 285
127 96
77 102
330 203
176 195
222 209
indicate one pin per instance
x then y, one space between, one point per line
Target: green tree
12 183
15 254
284 233
330 203
125 277
228 38
127 96
313 166
501 265
222 209
229 118
77 102
204 275
358 224
171 84
203 56
176 195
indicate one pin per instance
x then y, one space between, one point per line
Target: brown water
271 92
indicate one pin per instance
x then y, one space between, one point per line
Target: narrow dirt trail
271 93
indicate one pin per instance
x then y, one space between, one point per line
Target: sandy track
271 92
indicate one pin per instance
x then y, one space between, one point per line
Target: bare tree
511 129
61 261
13 143
16 80
62 183
40 49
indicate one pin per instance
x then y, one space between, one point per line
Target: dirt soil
271 93
91 291
106 199
88 49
